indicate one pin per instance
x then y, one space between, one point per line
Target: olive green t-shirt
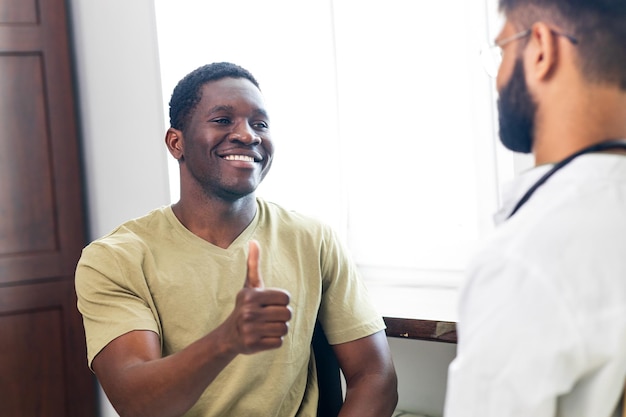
153 274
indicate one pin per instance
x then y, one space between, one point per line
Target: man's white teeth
239 158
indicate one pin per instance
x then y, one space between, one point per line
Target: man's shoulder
133 232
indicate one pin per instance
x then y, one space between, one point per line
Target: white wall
422 369
125 161
121 111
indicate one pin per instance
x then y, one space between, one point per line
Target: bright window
383 117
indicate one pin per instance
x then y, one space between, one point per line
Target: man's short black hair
599 25
188 91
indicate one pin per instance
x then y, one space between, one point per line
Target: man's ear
541 55
174 142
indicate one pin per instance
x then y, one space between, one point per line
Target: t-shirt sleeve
346 311
110 302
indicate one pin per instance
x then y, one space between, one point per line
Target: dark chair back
623 404
328 375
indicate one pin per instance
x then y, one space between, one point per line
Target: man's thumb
253 273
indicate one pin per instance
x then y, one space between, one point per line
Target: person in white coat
542 312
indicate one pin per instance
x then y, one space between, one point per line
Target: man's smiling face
227 144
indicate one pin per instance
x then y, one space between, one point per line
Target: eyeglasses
491 55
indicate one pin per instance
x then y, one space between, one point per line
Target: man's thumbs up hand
259 320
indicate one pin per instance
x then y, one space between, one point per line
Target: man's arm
371 382
140 382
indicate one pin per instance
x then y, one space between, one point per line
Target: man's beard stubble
516 113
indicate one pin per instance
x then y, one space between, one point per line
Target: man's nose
244 133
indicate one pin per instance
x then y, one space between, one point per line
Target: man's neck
596 114
215 220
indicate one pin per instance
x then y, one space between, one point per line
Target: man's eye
260 125
222 121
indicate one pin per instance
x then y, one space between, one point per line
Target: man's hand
260 316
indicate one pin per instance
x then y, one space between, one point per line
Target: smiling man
542 313
207 307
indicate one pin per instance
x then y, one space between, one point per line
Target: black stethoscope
602 146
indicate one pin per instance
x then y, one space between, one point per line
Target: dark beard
516 113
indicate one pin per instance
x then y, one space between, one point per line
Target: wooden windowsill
431 330
417 312
422 313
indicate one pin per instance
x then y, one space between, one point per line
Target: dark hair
599 26
188 91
